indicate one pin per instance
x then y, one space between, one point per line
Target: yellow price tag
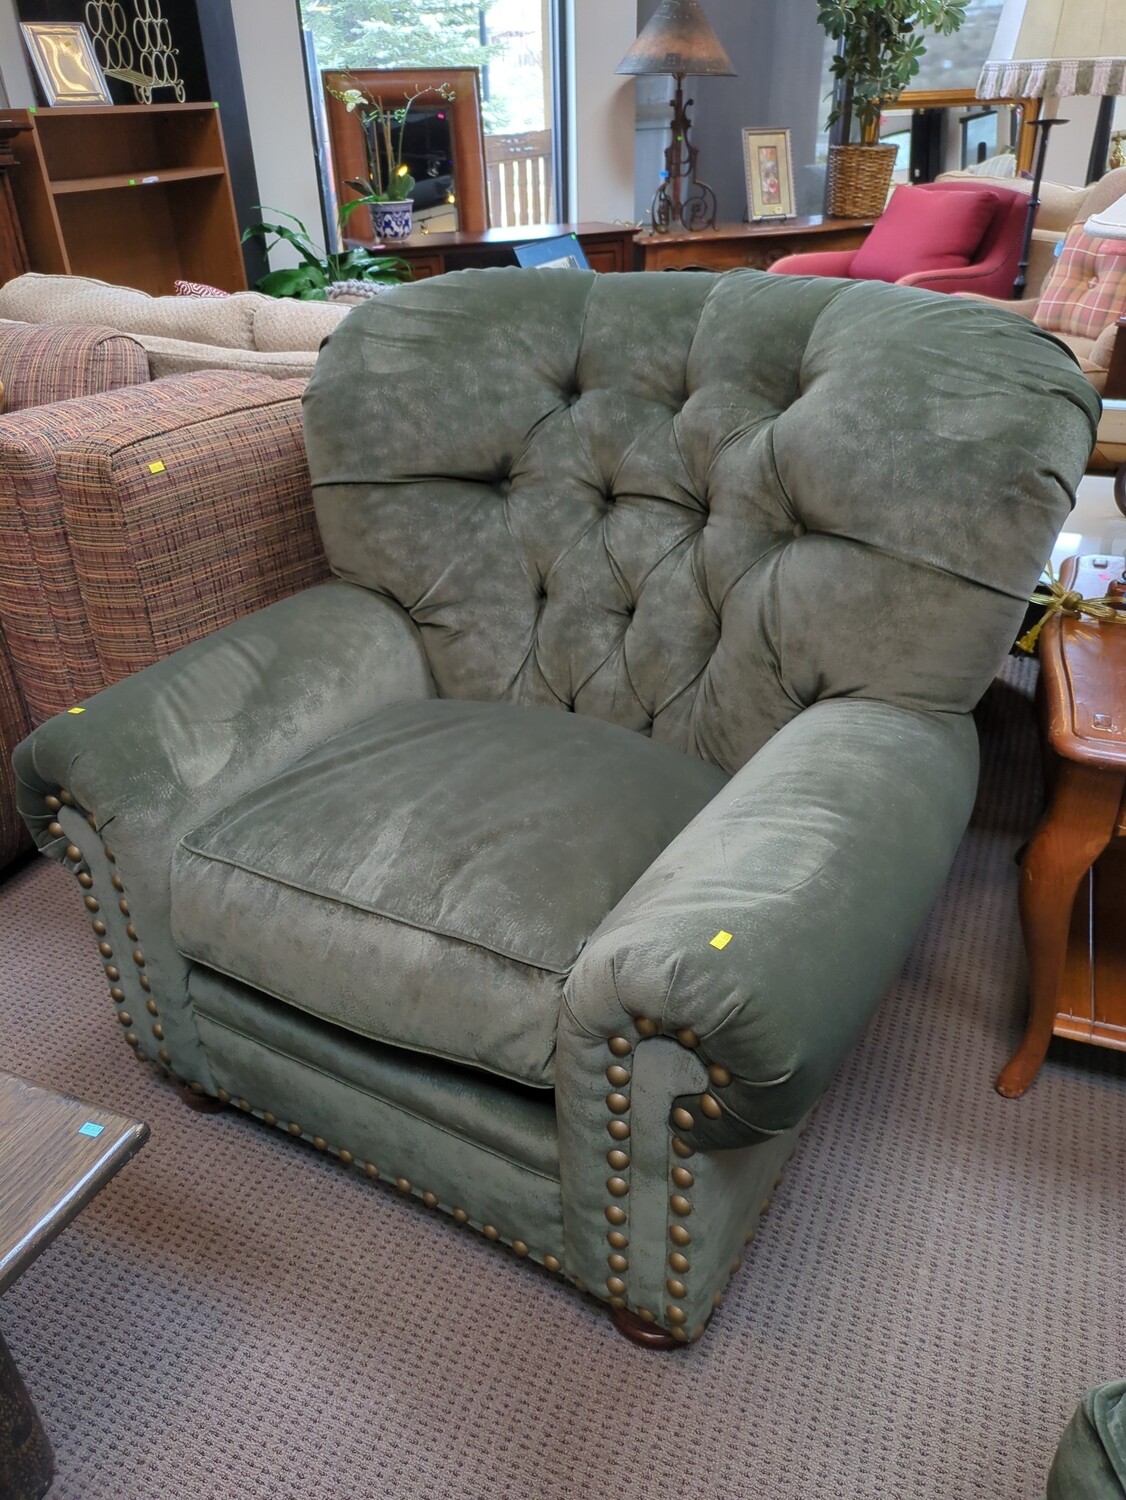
721 939
76 710
157 468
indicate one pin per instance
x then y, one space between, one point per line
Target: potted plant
389 184
319 272
880 44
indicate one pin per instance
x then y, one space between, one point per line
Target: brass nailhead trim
682 1148
117 882
680 1334
319 1142
680 1205
131 933
73 852
682 1119
131 1038
91 903
687 1037
615 1214
93 822
682 1177
646 1315
676 1288
85 879
99 927
52 803
711 1106
552 1262
719 1075
618 1186
460 1216
138 958
618 1302
66 797
158 1032
371 1169
109 854
269 1119
164 1055
431 1201
617 1075
346 1157
112 972
123 907
617 1262
717 1299
293 1128
736 1265
620 1046
55 830
196 1087
617 1104
676 1315
617 1239
105 950
223 1097
403 1184
679 1262
616 1285
150 1006
619 1129
144 980
520 1247
645 1027
490 1231
125 1018
117 993
619 1160
679 1235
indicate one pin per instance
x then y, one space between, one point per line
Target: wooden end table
1073 876
55 1154
729 247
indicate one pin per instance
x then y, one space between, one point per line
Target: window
509 41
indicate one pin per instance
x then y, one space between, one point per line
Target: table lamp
1110 224
679 40
1057 48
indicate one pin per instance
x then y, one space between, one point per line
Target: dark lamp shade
678 39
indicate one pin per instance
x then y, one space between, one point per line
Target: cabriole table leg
27 1465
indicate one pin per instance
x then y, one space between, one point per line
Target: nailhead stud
679 1235
619 1129
620 1046
646 1315
99 927
682 1119
676 1288
617 1239
73 852
66 796
150 1006
117 993
719 1075
520 1247
144 981
711 1106
682 1177
617 1075
223 1097
91 903
618 1302
105 950
717 1299
617 1186
680 1335
371 1169
616 1285
403 1184
687 1037
269 1119
617 1104
431 1200
293 1128
117 882
345 1156
645 1027
680 1205
52 804
109 854
460 1216
319 1142
490 1231
552 1262
85 879
676 1315
112 972
55 830
617 1262
619 1160
131 933
615 1214
679 1263
138 958
131 1038
123 907
125 1018
736 1265
164 1055
682 1148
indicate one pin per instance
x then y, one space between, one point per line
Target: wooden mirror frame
467 139
965 99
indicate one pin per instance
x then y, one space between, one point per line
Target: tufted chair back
695 504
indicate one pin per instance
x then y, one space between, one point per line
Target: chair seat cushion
925 229
1086 288
428 878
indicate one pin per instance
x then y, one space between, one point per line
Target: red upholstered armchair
946 236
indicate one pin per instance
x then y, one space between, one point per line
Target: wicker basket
859 180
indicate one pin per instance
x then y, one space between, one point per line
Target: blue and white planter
392 220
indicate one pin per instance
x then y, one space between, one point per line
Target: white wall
15 75
600 148
281 135
1069 146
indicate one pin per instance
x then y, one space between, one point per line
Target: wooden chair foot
203 1104
1019 1073
26 1462
638 1331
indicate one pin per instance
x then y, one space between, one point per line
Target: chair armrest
156 754
1025 308
815 263
958 279
820 858
1115 388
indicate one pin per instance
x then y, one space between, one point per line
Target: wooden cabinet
133 194
730 246
608 247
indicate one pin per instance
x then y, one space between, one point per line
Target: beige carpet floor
940 1277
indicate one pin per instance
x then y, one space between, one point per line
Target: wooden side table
1073 876
730 246
608 247
55 1155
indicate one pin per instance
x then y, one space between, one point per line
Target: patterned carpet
939 1280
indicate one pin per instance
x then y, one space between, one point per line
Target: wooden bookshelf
136 194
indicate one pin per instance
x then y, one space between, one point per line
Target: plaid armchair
134 521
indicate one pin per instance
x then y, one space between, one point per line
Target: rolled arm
765 934
109 791
815 263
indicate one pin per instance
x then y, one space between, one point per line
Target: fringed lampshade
1056 48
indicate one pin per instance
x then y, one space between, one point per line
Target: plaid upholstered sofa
249 332
135 516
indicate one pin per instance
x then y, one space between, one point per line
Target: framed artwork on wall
64 62
769 167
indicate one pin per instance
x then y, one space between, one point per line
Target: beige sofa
247 331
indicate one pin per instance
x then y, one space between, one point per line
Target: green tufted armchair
549 861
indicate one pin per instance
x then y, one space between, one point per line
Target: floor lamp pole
1044 127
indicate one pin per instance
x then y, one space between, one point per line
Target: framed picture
769 168
65 64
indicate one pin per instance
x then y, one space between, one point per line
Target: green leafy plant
389 179
320 269
882 44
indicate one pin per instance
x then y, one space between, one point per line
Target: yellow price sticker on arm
158 467
721 939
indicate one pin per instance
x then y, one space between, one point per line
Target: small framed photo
769 168
65 64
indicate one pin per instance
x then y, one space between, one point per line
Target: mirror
443 142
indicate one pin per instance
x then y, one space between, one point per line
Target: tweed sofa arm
819 859
109 791
14 724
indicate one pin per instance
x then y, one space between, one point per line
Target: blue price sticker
91 1129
